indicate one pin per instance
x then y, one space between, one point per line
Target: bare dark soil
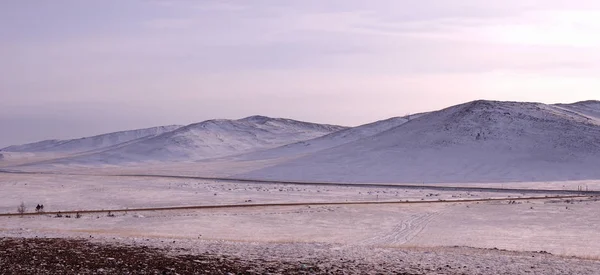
74 256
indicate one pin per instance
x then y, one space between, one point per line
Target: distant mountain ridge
89 143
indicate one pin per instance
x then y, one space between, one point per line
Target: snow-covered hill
480 141
39 146
210 139
89 143
327 141
590 108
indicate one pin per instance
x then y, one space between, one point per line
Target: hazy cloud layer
71 68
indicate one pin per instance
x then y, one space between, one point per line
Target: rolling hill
89 143
210 139
480 141
590 108
328 141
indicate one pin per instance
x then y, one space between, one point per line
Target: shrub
22 208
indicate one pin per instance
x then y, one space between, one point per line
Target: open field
561 226
80 192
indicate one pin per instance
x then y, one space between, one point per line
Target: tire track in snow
404 231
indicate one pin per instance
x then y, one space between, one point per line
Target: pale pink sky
73 68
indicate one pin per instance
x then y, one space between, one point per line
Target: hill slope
327 141
89 143
210 139
480 141
590 108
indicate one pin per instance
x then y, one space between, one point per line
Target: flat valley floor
295 228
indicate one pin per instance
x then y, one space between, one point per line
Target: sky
72 68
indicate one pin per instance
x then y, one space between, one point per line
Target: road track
230 206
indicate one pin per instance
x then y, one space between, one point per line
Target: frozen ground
231 168
77 192
547 227
172 256
557 226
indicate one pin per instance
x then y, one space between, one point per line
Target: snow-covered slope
589 108
210 139
89 143
327 141
478 141
39 146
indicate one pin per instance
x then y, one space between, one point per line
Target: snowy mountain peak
208 123
257 119
261 121
491 105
